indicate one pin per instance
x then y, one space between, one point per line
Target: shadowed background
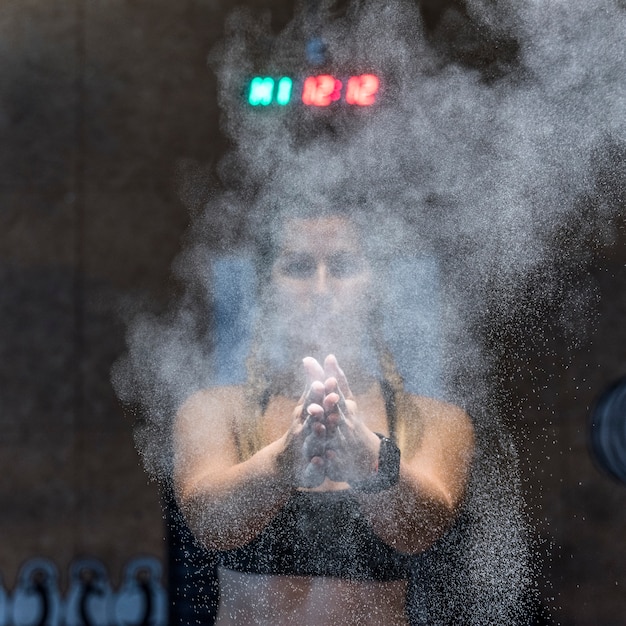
104 109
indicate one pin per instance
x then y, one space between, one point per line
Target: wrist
387 470
284 472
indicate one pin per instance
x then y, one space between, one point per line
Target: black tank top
320 533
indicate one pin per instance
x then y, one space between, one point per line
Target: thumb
331 368
314 372
313 369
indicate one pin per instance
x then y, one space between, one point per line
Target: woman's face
321 285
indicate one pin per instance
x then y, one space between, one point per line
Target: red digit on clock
362 89
321 90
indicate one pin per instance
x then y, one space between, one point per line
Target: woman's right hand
302 460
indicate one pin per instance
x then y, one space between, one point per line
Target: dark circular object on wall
607 430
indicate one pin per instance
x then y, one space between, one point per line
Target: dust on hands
335 443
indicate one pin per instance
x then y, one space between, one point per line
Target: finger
315 411
314 446
341 419
314 394
335 467
307 425
331 368
333 414
331 402
336 441
313 369
331 388
312 423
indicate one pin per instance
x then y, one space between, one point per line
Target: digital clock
315 91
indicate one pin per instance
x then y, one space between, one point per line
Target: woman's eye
299 267
344 265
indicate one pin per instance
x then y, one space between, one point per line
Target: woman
317 504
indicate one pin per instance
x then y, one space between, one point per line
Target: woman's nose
321 279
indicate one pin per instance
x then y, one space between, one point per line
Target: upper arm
204 441
444 454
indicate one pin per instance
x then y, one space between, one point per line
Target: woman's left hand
352 449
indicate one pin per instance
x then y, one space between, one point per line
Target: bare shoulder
443 425
226 398
207 415
203 429
441 414
214 407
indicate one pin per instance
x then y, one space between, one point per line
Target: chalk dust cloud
492 177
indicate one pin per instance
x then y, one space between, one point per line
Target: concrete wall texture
101 104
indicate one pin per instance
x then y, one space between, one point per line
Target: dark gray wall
99 104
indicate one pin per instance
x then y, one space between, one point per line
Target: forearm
410 516
226 509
